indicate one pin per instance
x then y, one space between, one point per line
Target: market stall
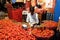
30 20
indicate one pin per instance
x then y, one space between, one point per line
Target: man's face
32 12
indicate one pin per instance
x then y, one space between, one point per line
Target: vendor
32 17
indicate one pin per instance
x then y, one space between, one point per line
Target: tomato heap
11 31
50 24
46 33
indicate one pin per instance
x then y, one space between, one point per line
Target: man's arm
27 19
37 20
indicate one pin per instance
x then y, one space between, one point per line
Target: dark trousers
19 4
13 4
56 36
43 16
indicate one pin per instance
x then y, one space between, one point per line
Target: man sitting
32 17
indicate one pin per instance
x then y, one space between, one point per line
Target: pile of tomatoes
50 24
11 31
45 33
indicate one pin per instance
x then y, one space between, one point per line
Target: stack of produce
49 24
11 31
46 33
